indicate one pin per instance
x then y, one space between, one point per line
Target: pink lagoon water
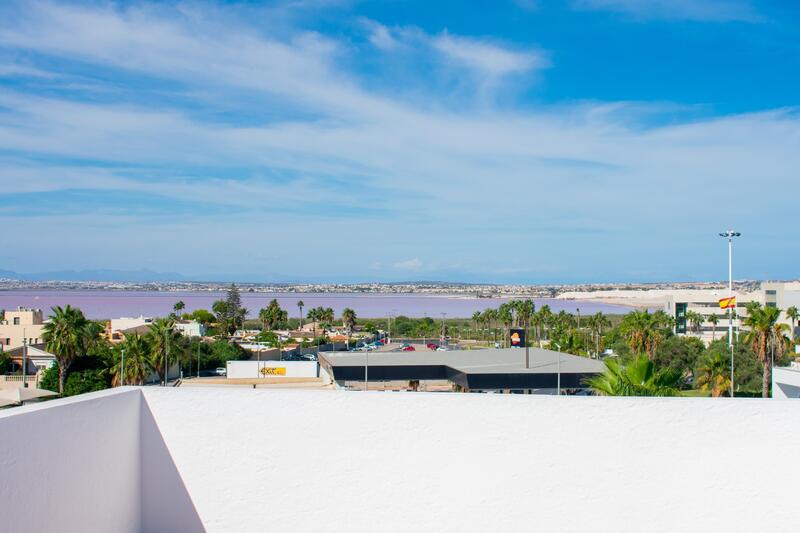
114 304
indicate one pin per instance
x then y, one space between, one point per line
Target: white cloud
549 184
409 264
487 58
697 10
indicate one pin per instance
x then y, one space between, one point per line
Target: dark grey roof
488 361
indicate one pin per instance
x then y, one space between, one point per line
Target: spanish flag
728 303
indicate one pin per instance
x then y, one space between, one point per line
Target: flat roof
489 369
483 361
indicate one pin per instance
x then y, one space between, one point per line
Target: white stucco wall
785 383
71 465
333 461
167 459
251 369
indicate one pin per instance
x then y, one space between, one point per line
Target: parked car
432 346
409 348
441 349
221 371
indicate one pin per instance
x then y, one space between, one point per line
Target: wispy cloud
487 58
279 132
695 10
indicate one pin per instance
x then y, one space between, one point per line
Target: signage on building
517 337
273 371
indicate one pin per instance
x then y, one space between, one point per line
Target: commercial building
234 459
467 370
678 303
24 324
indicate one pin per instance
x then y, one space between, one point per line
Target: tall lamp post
730 234
122 367
24 360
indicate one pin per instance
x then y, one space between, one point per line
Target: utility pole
166 358
122 368
730 234
24 360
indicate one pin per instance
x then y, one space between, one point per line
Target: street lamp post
366 369
122 368
558 369
730 234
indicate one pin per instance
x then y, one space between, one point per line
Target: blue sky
527 141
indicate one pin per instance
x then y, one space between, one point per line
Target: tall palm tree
66 337
137 363
695 319
505 317
713 320
525 311
715 374
793 315
545 318
348 320
766 338
644 331
164 345
300 305
178 307
476 319
637 378
597 324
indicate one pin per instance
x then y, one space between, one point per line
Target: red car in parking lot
409 349
432 346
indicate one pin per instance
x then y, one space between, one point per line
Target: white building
786 382
706 303
219 460
190 328
123 323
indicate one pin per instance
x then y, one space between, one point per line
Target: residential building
190 328
22 324
35 355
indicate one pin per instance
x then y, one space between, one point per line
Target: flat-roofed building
21 325
468 370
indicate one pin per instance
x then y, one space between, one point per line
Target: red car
409 349
432 346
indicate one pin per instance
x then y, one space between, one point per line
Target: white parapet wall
261 369
786 382
225 459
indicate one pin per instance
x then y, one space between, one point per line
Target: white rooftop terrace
215 459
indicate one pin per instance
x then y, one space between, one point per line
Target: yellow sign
273 371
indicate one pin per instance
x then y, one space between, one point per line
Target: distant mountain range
141 276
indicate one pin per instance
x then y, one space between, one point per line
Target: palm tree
597 323
715 374
348 320
643 331
300 305
525 310
765 337
713 320
164 345
272 315
505 317
476 319
793 315
137 365
637 378
695 319
545 317
67 336
178 307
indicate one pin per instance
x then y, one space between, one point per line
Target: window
8 341
16 321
